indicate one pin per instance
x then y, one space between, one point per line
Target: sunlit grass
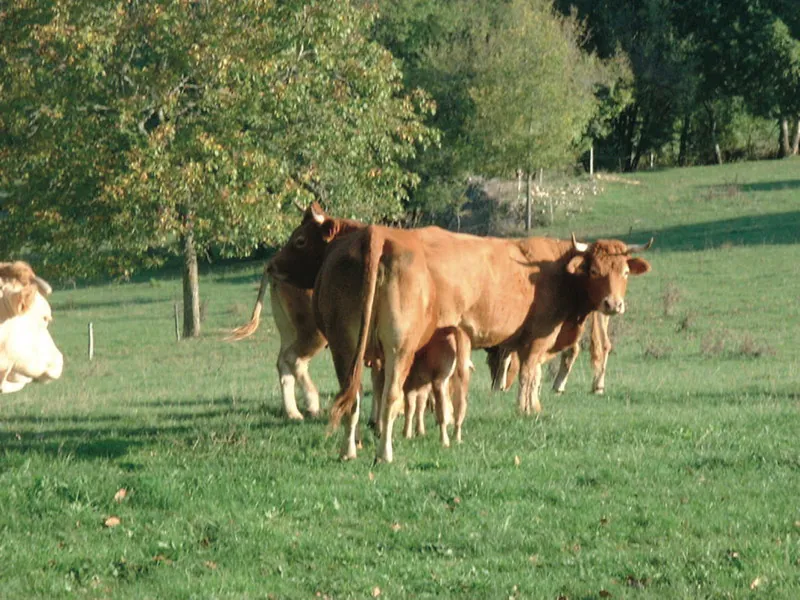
681 482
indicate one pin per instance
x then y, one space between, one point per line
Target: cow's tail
250 327
346 400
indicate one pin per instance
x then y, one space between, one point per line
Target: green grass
682 482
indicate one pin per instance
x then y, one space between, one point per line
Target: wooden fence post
177 327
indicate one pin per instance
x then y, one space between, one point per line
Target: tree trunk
642 144
529 203
796 143
712 125
191 286
684 143
786 144
629 144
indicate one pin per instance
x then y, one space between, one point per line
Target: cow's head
606 265
299 261
27 351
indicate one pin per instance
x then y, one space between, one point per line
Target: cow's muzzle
612 306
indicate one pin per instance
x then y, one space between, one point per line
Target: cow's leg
422 404
350 442
461 383
378 378
307 386
410 400
568 357
530 374
600 349
342 359
441 402
397 367
529 389
287 369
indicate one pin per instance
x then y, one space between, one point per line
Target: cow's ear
577 265
638 266
24 299
329 230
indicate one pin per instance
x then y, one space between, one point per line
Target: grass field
682 482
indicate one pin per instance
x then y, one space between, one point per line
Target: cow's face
299 261
606 266
27 350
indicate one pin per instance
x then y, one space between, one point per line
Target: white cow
27 352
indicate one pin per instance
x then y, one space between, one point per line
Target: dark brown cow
300 341
384 292
504 363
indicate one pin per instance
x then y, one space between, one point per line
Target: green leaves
121 121
533 88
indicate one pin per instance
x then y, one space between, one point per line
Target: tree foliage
124 125
533 90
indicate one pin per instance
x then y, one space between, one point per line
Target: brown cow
531 295
504 363
301 340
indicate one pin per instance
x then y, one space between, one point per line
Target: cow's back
485 285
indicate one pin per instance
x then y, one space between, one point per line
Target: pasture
683 481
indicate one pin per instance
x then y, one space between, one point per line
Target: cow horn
317 214
579 246
640 247
44 287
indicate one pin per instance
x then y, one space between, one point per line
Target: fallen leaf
211 565
758 581
517 461
160 558
456 500
396 527
534 558
112 522
120 495
376 591
371 476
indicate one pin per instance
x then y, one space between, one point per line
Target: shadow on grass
753 230
85 441
67 305
771 186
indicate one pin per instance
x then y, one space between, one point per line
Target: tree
133 130
748 49
533 91
662 85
